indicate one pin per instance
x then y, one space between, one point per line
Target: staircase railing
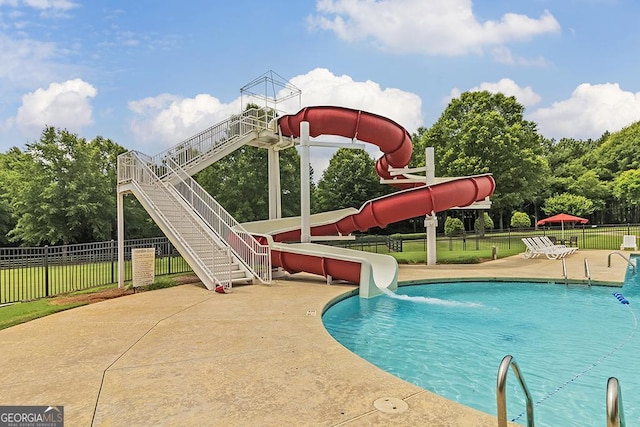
255 256
136 168
215 138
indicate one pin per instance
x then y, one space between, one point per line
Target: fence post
46 270
169 256
113 252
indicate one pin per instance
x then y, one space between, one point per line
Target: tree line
61 189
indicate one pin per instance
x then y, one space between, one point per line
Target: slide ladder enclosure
172 207
194 240
176 165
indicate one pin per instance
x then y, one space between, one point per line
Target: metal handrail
254 255
615 414
501 396
221 134
623 257
564 272
140 173
587 273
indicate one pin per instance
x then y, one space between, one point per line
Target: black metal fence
584 236
28 273
510 240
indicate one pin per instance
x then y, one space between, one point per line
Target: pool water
450 339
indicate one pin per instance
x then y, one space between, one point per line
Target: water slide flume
372 271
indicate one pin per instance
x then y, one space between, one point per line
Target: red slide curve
392 139
415 200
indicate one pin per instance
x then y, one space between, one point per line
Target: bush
453 226
520 220
488 222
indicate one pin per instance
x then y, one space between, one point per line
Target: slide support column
120 213
305 189
430 221
275 198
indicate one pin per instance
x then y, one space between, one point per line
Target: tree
65 190
482 132
626 188
349 181
8 182
568 203
453 226
240 183
617 153
488 222
520 220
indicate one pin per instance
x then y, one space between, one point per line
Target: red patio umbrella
562 218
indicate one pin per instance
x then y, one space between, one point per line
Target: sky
147 74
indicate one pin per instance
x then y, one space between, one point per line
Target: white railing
255 256
134 168
215 138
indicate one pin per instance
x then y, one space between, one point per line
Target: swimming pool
450 339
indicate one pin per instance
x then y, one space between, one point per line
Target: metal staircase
214 244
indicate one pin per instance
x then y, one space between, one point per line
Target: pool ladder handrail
615 414
623 257
587 273
501 396
564 272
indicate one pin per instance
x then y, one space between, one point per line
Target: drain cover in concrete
390 405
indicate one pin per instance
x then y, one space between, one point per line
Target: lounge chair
629 242
535 249
544 243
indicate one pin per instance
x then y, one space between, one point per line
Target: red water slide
392 139
395 142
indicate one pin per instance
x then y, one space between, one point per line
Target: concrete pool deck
257 356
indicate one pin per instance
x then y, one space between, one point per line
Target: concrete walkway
259 356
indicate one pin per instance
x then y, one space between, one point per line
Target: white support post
430 221
305 189
275 191
120 214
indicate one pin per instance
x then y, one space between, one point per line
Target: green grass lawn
14 314
17 313
24 284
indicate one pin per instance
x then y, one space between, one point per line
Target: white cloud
432 27
64 105
25 62
503 55
59 5
168 119
321 87
589 112
50 4
524 95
